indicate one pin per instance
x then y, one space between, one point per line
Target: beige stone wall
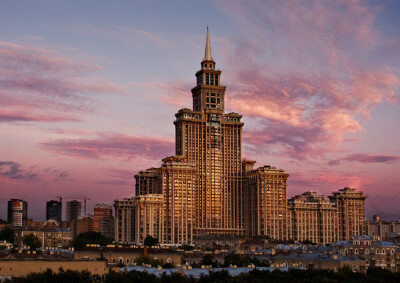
24 267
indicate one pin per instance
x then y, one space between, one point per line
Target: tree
90 237
150 241
7 234
207 260
32 241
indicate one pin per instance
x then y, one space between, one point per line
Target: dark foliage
90 238
254 276
32 241
150 241
7 234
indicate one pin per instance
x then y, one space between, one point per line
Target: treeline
254 276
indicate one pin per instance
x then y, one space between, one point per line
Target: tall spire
207 55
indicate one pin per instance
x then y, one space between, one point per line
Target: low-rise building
49 238
128 255
376 253
319 261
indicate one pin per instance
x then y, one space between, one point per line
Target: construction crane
84 198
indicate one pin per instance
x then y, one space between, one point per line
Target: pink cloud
306 72
40 80
367 158
111 146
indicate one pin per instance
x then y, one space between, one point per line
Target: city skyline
316 83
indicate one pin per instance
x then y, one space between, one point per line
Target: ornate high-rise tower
212 140
202 189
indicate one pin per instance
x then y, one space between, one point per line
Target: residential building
84 224
265 206
49 238
124 231
103 220
312 217
377 253
386 230
17 213
147 217
351 212
74 209
54 210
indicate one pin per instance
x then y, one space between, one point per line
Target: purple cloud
35 80
16 171
13 170
367 158
308 69
112 146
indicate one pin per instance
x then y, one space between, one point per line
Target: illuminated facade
312 217
212 141
146 217
124 230
351 212
265 205
207 188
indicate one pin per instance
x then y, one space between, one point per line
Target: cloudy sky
89 89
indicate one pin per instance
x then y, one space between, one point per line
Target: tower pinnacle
207 55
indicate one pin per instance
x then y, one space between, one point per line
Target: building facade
124 231
386 230
74 209
378 254
350 206
312 217
17 213
207 188
54 210
103 220
265 205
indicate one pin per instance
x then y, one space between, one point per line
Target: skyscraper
200 190
207 188
54 210
212 141
73 210
17 212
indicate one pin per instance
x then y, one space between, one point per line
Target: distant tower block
74 209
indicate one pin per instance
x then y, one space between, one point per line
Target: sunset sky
89 90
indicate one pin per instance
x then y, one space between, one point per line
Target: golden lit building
265 205
146 217
212 141
351 212
179 207
312 217
207 188
124 231
147 182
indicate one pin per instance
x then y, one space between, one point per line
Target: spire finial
207 55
